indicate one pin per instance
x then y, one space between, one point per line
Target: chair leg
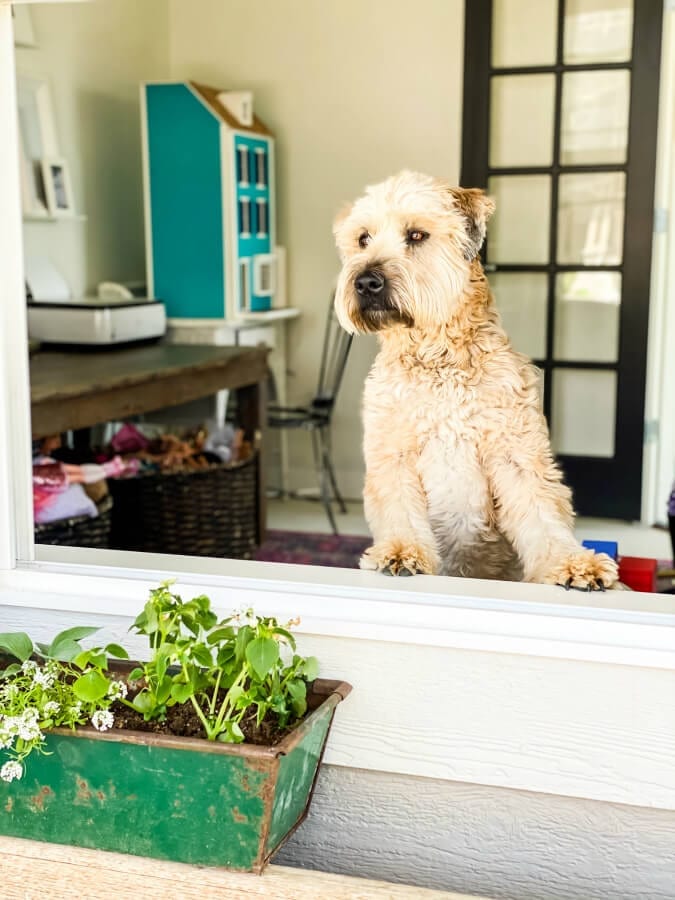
324 478
327 447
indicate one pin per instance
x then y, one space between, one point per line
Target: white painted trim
659 456
530 620
229 225
271 177
147 207
16 506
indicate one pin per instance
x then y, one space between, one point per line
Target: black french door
559 125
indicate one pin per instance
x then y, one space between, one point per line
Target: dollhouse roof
210 97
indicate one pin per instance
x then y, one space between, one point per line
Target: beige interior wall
93 56
354 92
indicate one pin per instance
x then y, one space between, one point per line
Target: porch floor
35 870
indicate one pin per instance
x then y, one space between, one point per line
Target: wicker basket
79 531
207 512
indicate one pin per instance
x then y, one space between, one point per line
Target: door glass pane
519 229
598 31
594 123
583 412
521 120
590 218
587 316
524 33
521 301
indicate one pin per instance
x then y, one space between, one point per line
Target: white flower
43 678
28 724
245 616
117 690
29 667
9 726
51 707
102 719
11 770
75 710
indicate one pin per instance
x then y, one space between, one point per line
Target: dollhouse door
560 120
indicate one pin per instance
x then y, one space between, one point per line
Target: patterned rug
309 549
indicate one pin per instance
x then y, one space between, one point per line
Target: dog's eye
415 236
364 240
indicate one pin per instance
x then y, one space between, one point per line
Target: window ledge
617 627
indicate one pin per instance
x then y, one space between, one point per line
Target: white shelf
243 321
37 218
271 315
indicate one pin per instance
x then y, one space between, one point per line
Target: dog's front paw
397 558
585 571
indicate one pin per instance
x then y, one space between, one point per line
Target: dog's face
406 248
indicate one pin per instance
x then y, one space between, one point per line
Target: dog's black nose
369 283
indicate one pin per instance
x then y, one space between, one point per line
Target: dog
460 477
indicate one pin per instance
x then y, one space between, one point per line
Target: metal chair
317 415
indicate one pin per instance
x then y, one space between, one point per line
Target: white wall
354 91
93 55
514 845
574 736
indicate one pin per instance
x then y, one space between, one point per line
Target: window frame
495 674
508 617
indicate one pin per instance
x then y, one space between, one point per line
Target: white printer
118 315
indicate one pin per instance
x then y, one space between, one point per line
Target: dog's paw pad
396 567
585 571
401 561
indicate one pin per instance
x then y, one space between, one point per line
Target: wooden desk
73 390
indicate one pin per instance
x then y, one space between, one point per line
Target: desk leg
252 407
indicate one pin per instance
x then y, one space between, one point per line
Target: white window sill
618 627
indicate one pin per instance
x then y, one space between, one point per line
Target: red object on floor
638 573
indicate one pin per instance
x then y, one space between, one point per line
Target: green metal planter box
181 799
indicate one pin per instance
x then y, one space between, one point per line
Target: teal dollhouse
208 166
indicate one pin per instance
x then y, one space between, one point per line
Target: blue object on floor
611 548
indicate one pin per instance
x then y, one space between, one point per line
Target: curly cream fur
460 478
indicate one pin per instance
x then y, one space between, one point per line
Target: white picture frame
24 35
57 187
37 140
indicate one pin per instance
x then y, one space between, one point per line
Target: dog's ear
341 216
476 208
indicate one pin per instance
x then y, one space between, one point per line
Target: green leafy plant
242 666
50 685
223 669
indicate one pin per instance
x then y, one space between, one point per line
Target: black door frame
606 487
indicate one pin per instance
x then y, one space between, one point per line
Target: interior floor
634 538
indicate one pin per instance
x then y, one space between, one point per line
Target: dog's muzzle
371 287
377 308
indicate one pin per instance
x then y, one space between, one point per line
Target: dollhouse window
264 275
245 217
260 168
243 175
244 284
261 217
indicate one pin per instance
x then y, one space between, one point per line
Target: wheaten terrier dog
460 478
